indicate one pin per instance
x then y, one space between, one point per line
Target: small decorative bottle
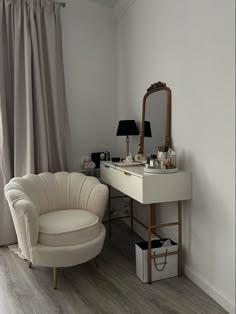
151 162
173 158
161 159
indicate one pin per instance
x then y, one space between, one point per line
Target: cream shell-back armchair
58 218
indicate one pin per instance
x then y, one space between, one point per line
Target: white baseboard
141 231
215 294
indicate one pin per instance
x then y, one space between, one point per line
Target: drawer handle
106 166
127 174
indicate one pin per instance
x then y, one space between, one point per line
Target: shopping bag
162 267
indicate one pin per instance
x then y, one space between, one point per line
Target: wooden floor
113 288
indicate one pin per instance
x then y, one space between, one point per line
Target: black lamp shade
147 129
127 127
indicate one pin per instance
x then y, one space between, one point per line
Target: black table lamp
126 128
147 129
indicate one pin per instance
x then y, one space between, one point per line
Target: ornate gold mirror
155 119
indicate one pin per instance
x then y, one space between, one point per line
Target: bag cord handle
155 263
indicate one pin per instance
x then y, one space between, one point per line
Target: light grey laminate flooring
113 288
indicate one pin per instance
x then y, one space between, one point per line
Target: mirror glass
155 119
155 113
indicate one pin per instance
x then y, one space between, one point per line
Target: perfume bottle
173 159
161 158
151 162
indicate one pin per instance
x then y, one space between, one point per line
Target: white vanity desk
150 189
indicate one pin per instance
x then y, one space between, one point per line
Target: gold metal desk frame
179 189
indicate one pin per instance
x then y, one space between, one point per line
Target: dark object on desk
99 156
115 159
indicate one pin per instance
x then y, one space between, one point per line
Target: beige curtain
33 112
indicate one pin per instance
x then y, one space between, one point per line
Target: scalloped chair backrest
54 191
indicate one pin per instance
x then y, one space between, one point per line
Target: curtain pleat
34 121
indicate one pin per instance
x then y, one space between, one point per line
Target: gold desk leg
149 224
55 272
131 215
109 213
154 216
180 239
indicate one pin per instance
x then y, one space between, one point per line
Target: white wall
190 45
89 61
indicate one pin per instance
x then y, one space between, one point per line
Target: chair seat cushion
68 227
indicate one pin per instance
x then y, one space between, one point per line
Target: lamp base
127 146
128 159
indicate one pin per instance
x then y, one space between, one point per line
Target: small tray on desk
160 171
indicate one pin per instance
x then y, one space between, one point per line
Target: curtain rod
63 4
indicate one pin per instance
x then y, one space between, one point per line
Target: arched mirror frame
156 87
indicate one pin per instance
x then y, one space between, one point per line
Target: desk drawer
127 183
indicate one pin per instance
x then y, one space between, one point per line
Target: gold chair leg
96 263
55 272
